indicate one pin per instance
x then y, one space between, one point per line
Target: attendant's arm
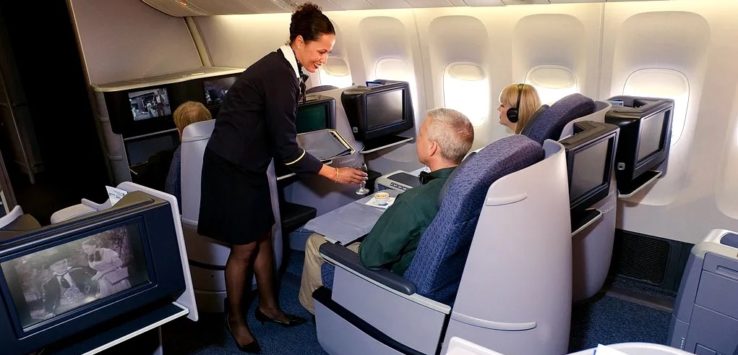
389 236
280 101
281 107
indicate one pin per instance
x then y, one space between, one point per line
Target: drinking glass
362 187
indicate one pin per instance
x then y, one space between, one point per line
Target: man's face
422 145
59 267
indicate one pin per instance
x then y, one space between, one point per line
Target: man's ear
433 148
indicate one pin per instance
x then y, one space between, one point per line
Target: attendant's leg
266 280
237 268
311 279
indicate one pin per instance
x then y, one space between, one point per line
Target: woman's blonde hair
529 102
190 112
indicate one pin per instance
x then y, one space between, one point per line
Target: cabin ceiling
183 8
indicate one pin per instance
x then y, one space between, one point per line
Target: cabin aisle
209 336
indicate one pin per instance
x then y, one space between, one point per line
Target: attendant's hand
343 175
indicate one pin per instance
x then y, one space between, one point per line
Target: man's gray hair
453 132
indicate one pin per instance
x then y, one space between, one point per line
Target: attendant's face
313 54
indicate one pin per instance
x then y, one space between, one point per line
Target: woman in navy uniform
255 124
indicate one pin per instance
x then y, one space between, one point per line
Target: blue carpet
601 320
609 320
209 336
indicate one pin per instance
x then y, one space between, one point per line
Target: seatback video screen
50 282
150 103
216 89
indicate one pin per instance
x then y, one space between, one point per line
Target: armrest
340 256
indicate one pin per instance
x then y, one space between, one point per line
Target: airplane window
335 72
552 82
663 83
392 68
466 89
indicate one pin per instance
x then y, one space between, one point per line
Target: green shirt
394 238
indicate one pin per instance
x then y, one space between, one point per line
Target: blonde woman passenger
518 103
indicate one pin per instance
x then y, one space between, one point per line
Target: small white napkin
373 202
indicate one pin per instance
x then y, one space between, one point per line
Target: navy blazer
257 119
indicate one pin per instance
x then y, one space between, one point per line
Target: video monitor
149 103
644 143
650 136
384 109
316 113
68 283
378 111
216 89
48 283
590 154
140 150
588 170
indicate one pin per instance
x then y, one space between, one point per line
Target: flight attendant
518 103
255 124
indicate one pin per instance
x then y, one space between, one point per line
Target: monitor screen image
589 171
51 282
384 108
150 103
312 118
649 140
216 89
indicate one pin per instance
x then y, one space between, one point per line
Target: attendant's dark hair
310 23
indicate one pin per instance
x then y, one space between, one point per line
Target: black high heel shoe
252 347
292 320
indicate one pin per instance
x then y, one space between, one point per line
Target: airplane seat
480 269
9 218
326 270
208 256
320 88
16 221
550 123
600 110
83 208
592 245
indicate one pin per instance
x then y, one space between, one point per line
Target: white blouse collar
290 56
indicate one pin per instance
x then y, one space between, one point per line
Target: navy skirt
235 205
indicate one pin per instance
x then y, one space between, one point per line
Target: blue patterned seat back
549 123
441 255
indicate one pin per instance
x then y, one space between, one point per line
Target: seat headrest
535 115
550 123
451 177
198 131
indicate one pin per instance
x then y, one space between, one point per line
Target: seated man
443 140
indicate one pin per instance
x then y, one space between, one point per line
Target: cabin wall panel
697 41
457 36
240 40
125 40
